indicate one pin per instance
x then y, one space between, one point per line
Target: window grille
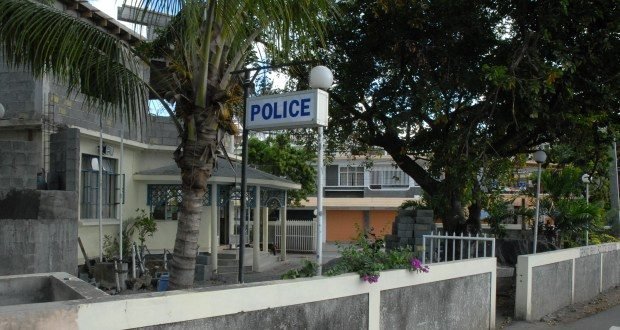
165 199
110 189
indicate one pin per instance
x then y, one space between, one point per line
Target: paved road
607 320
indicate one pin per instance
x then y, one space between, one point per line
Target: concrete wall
455 295
64 160
38 232
446 305
549 281
19 164
20 94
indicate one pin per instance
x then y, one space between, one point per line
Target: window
352 176
110 192
387 176
164 200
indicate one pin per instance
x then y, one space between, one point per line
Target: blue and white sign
290 110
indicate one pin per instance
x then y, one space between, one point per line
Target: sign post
303 109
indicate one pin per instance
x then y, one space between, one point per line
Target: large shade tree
198 52
465 84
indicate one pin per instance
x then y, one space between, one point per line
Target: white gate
300 235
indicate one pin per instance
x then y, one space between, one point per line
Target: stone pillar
265 229
214 232
366 221
283 229
256 231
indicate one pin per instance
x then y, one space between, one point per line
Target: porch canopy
265 191
226 172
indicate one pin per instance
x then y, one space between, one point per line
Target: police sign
290 110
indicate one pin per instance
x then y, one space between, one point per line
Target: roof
101 19
224 173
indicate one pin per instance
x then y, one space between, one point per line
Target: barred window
110 191
165 200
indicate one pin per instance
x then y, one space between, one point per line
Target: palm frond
49 42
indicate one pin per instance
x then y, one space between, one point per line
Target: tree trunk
196 158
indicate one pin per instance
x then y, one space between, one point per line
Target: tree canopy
466 84
277 155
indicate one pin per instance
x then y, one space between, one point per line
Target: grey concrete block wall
551 288
71 110
341 313
461 303
408 229
64 160
19 165
38 232
587 275
18 93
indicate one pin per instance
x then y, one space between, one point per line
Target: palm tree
205 42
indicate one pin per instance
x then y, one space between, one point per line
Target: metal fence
448 247
300 235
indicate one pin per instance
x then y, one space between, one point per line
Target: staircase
228 265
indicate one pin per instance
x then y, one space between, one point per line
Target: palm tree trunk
196 158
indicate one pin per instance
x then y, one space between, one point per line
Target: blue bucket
162 284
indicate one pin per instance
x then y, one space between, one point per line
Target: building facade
133 162
363 194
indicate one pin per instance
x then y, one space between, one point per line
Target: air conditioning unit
107 150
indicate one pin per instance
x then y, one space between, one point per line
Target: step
227 262
233 270
227 256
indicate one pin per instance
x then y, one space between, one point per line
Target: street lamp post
540 157
320 77
247 84
587 179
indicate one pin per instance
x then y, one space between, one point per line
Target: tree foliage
278 156
465 84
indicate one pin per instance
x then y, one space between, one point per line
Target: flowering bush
416 265
368 257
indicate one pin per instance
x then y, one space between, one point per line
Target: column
215 242
231 223
265 211
256 231
283 229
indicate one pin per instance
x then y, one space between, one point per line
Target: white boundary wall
179 306
527 297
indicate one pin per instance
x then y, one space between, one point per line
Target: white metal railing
300 235
462 247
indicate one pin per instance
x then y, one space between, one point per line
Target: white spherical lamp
321 77
2 111
586 178
540 156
